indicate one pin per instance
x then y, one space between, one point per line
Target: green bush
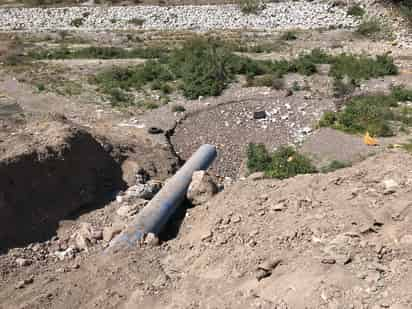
94 52
362 67
251 6
369 28
283 163
356 10
136 21
343 87
203 67
77 22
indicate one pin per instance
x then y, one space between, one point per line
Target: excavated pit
49 169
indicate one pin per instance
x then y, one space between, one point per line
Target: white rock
23 262
202 188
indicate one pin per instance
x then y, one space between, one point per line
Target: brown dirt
60 169
343 242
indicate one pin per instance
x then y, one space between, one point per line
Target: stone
390 186
328 261
130 169
256 176
145 191
23 262
21 284
278 207
127 211
82 243
201 189
111 231
151 240
68 253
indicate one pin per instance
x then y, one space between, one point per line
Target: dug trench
76 172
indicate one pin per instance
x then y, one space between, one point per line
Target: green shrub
328 119
369 28
356 10
335 165
343 87
136 21
41 87
283 163
265 81
363 114
258 158
77 22
287 162
362 67
401 94
94 52
203 67
251 6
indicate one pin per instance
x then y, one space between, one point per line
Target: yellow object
369 140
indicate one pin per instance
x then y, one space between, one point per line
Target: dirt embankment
50 169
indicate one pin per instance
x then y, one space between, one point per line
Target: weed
343 87
335 165
283 163
356 10
136 21
358 68
371 113
296 86
251 6
369 28
41 87
77 22
94 52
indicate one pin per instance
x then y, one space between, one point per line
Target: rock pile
316 14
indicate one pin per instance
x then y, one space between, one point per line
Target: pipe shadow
175 222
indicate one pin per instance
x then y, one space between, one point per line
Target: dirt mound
337 240
49 168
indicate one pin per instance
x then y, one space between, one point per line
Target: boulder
202 188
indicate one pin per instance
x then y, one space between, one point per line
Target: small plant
289 36
356 10
335 165
178 109
251 6
283 163
296 86
77 22
113 20
343 87
369 28
41 87
136 21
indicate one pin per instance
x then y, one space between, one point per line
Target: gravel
287 14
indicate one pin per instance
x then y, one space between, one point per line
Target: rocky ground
335 240
276 15
338 240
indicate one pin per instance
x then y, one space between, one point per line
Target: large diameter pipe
153 217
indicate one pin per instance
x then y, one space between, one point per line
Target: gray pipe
153 217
